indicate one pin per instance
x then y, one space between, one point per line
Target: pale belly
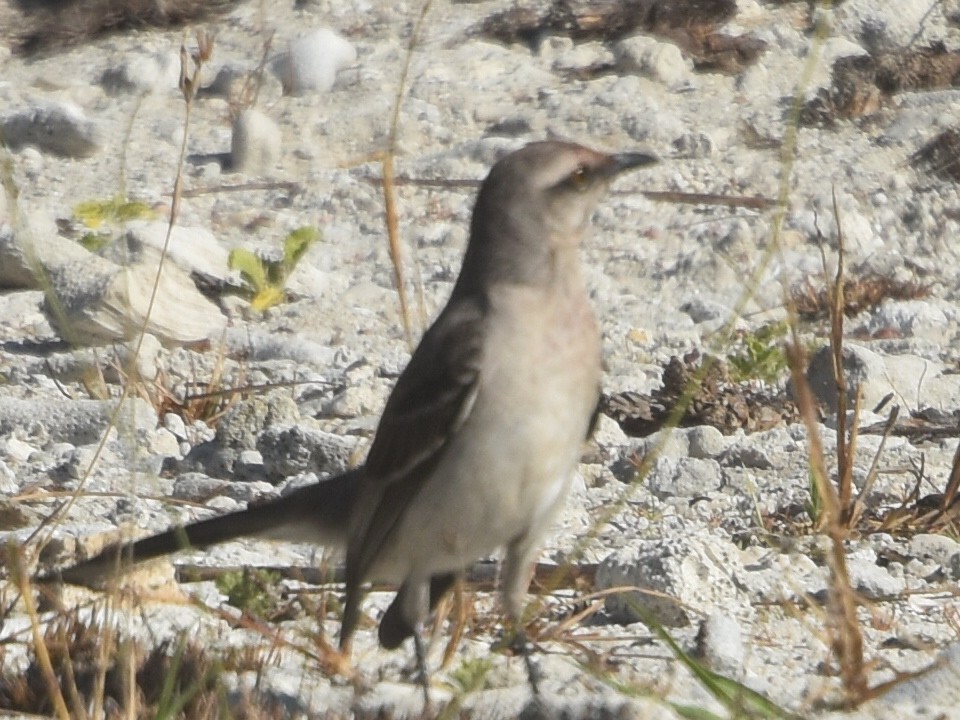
509 468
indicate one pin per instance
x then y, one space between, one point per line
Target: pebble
255 143
148 72
915 22
938 548
243 423
720 644
660 61
8 482
195 250
312 62
933 694
674 576
199 488
873 581
908 318
98 302
705 442
684 477
58 128
293 449
174 423
133 359
863 369
79 422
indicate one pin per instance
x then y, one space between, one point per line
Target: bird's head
537 200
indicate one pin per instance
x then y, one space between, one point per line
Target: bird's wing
431 400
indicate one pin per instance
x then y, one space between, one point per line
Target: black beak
622 162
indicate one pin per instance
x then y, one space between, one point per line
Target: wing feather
430 402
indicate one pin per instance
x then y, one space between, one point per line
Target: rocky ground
773 121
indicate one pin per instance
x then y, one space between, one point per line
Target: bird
480 437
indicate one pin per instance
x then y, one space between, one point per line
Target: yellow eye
578 178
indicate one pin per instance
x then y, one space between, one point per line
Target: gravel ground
717 525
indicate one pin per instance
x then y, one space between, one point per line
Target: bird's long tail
318 514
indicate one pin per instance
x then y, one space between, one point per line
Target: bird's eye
578 178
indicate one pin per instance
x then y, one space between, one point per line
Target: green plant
266 278
102 219
472 674
739 700
250 590
814 503
469 677
761 355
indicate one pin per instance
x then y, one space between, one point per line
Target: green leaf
266 279
94 242
250 266
90 213
267 298
250 590
296 244
814 505
762 356
133 210
96 213
740 701
692 712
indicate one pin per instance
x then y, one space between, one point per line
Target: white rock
582 56
312 62
773 577
59 128
873 581
908 318
608 434
748 453
16 450
193 249
931 694
116 364
174 423
938 548
863 369
163 443
683 477
705 441
255 143
682 574
79 422
661 61
34 243
97 301
148 72
8 480
832 50
881 25
293 449
720 644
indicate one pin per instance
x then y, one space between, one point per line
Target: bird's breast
507 469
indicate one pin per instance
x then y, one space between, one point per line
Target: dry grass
95 669
45 26
813 302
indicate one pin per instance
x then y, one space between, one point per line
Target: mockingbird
481 435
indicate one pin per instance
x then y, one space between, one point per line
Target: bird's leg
521 643
517 572
424 677
405 617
